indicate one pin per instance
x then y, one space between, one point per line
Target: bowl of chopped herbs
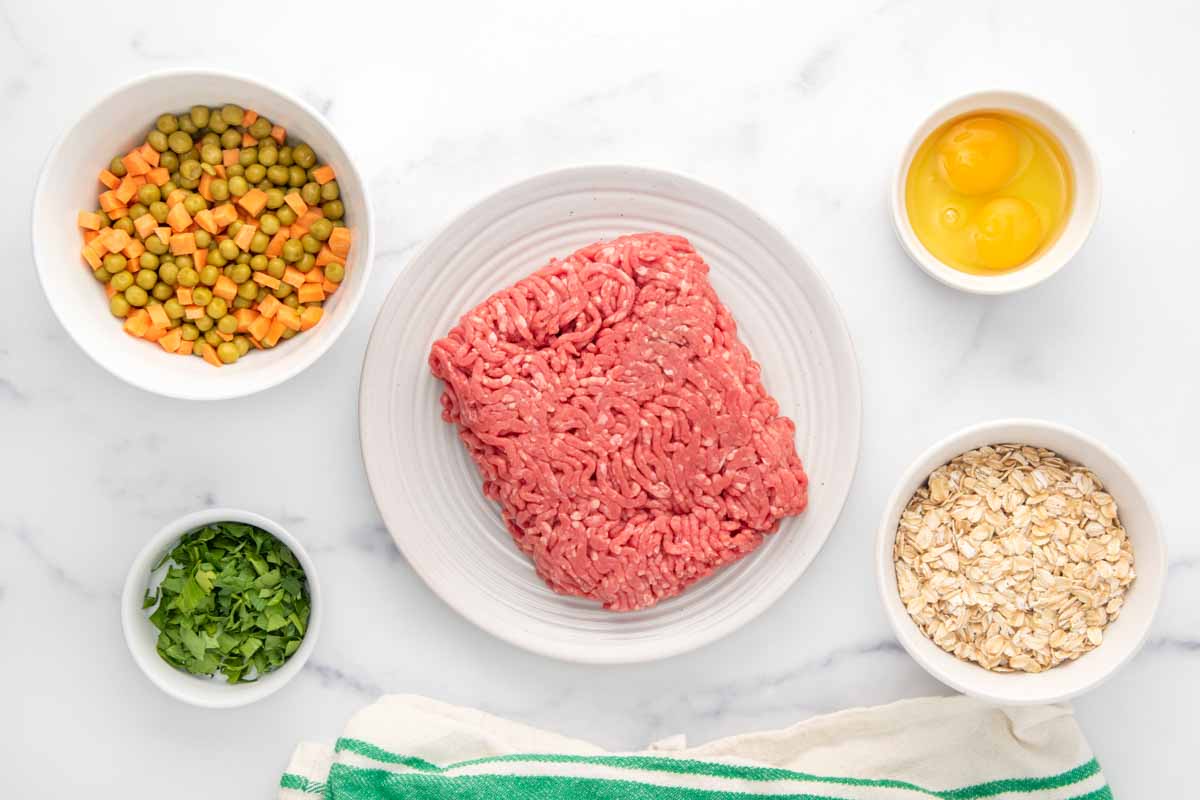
221 608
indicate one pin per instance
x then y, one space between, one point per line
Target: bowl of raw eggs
995 192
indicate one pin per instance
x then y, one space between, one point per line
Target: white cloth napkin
955 748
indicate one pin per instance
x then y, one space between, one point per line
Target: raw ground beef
620 422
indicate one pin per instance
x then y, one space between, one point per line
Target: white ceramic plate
428 490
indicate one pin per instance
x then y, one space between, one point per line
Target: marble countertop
798 109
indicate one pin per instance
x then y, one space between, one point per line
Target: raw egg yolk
1008 233
979 155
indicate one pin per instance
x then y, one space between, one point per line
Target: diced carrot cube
145 225
116 240
326 256
109 290
202 189
193 312
230 157
274 332
309 217
184 295
254 201
88 220
269 306
91 257
158 176
185 348
200 257
179 219
164 233
89 236
154 333
275 246
158 315
289 317
248 140
310 316
135 163
225 288
109 201
183 244
244 236
293 277
249 116
263 279
210 354
118 213
295 202
330 287
109 180
176 197
150 154
204 218
137 323
323 174
310 293
220 170
134 249
258 327
315 275
244 317
297 231
224 214
126 190
279 134
339 242
170 342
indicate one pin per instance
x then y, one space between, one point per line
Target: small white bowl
1122 639
68 185
1085 207
141 636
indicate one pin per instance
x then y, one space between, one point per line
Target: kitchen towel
955 748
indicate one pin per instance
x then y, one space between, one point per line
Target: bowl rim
1025 277
568 653
916 646
248 386
133 615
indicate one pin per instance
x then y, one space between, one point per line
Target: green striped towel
954 748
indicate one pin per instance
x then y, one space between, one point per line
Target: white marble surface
797 111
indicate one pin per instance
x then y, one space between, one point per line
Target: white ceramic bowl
1122 639
68 185
1085 208
141 635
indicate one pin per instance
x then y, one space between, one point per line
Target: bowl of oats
1019 561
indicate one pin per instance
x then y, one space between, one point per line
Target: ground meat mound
620 422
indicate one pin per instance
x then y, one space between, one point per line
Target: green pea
173 308
210 154
211 336
169 187
241 302
169 274
226 324
216 308
157 140
227 352
232 114
119 306
122 281
147 193
287 217
199 116
243 258
240 273
292 250
260 128
162 292
105 219
296 177
156 245
102 275
146 278
285 156
282 291
179 142
248 156
203 323
136 210
310 243
233 229
215 258
242 344
219 189
114 263
276 267
321 229
124 224
136 295
167 123
191 170
304 156
262 293
216 124
334 272
274 198
291 301
184 261
259 242
255 173
230 139
159 210
117 167
203 239
288 333
202 295
228 249
306 262
188 183
330 191
187 126
209 138
310 193
238 186
169 161
334 209
267 156
190 332
148 260
248 290
278 175
209 275
269 224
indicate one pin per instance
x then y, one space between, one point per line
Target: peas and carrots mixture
217 235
